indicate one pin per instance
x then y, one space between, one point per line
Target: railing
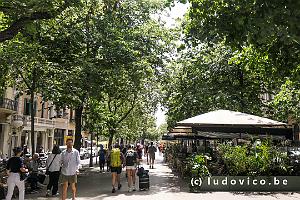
39 121
8 104
17 120
18 117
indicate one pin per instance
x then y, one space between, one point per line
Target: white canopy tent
227 117
226 121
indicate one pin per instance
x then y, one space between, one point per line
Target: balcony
39 123
61 123
8 105
17 121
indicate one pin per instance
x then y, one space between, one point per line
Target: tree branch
128 112
5 9
25 81
108 103
19 24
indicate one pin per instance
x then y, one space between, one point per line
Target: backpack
115 160
102 154
130 158
152 150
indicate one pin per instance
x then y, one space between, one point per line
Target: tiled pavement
164 186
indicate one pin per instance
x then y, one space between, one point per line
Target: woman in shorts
131 159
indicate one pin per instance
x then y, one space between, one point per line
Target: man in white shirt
70 159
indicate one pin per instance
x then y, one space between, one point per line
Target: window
27 108
59 136
43 108
70 133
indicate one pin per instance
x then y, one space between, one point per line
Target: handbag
47 170
24 176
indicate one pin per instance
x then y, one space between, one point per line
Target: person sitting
33 172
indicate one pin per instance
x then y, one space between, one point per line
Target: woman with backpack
131 159
53 164
116 159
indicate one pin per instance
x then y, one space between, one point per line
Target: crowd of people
59 164
65 165
129 157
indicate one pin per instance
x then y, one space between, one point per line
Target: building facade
51 125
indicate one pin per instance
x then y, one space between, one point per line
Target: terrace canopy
226 123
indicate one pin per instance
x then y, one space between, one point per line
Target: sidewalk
164 185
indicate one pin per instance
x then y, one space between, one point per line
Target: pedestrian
14 168
53 164
151 150
25 150
102 155
124 149
70 159
146 153
131 160
139 150
108 159
116 160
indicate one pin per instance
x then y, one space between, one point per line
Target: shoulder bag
47 170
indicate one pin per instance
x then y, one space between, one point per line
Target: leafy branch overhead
16 15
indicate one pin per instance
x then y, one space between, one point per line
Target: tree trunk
241 82
78 121
111 137
33 148
32 111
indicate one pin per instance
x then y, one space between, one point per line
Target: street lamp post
97 148
91 154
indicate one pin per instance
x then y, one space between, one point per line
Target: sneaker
55 195
133 188
113 190
119 186
129 190
48 193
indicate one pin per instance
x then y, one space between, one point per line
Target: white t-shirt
56 164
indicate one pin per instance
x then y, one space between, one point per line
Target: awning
226 121
229 118
214 136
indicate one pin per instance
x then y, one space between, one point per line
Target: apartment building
51 125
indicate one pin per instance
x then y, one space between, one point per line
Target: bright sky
176 12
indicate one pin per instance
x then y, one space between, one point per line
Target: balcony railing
39 122
18 117
17 120
8 104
